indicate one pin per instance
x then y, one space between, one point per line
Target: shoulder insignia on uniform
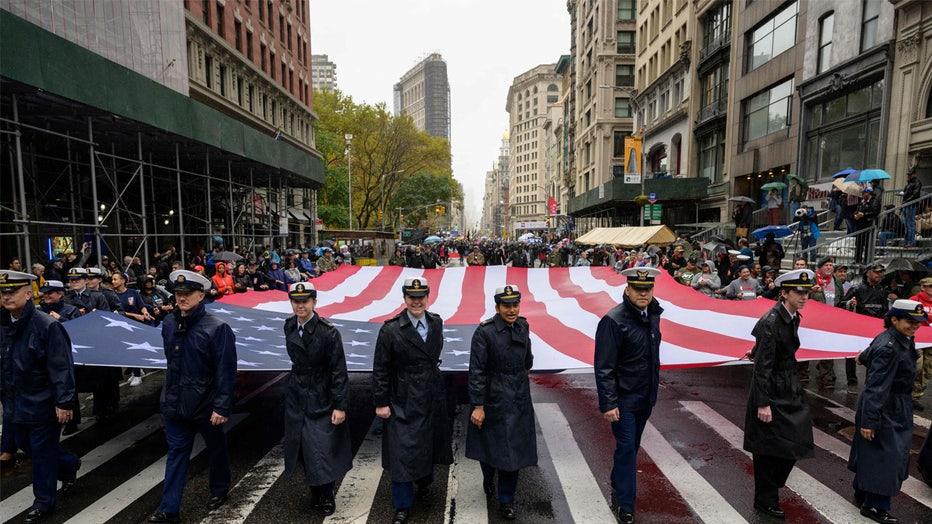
485 322
325 322
435 315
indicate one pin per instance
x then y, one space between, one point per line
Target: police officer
778 425
410 397
502 436
37 389
198 392
627 374
103 382
316 396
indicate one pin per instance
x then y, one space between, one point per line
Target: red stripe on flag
252 299
379 287
329 281
561 337
472 305
598 303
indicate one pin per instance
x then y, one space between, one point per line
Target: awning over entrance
299 214
628 236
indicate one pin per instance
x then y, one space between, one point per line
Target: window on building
262 56
223 80
205 12
291 81
712 155
622 108
262 10
588 117
274 115
774 36
220 28
249 45
552 99
870 19
238 35
552 88
625 43
768 112
618 144
281 27
717 25
284 77
288 36
826 27
239 91
209 71
714 85
624 75
252 95
627 9
845 131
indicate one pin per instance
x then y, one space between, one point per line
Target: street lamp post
632 92
349 176
382 197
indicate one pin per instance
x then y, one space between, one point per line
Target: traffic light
548 222
380 214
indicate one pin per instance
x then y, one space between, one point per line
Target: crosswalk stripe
22 499
579 485
125 494
250 489
848 413
465 497
357 489
708 504
823 499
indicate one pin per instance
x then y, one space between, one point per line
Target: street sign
632 178
652 211
652 198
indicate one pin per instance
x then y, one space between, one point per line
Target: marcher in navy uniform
316 397
410 396
198 392
94 280
37 389
777 423
103 382
53 303
627 374
502 436
884 421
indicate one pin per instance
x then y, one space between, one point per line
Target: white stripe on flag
122 496
384 305
565 310
580 488
582 277
494 277
449 292
822 498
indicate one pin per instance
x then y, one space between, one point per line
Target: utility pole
349 176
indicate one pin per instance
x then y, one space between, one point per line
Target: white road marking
250 489
125 494
579 485
357 490
465 497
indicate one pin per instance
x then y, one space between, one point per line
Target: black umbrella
327 243
293 251
903 264
227 256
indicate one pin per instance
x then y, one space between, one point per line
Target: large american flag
562 305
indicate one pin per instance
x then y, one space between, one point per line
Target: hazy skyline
485 44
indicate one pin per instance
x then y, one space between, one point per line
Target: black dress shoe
879 515
488 488
508 512
401 516
858 498
160 517
327 506
68 483
773 511
624 517
215 502
37 515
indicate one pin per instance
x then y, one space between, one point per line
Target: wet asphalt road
685 418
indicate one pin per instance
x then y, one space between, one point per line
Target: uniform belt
303 370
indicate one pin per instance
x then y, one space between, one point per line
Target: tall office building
495 197
424 94
323 73
530 95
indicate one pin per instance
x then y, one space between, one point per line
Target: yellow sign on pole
632 157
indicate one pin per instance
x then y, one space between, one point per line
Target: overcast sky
485 43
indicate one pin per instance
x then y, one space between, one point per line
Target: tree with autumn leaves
393 165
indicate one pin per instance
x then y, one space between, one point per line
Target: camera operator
808 231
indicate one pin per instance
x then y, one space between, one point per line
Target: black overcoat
885 405
499 361
317 385
775 384
406 376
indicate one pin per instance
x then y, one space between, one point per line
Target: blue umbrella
873 174
432 239
778 232
844 173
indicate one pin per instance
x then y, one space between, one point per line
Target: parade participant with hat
316 397
827 290
198 393
38 393
502 435
410 396
868 209
627 375
94 279
867 298
884 421
326 263
924 366
778 425
103 382
53 303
